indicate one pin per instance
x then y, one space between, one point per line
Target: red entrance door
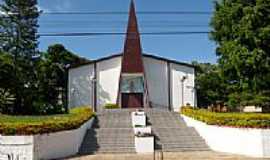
132 100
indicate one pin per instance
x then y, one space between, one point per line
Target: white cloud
63 6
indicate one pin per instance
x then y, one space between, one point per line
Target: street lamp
66 67
93 85
193 90
183 79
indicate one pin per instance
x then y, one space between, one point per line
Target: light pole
183 79
66 88
93 85
193 90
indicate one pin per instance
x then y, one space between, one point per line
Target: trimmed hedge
29 125
238 120
111 106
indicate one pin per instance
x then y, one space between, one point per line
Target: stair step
181 140
113 133
172 133
89 151
184 149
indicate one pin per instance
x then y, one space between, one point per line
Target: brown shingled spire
132 57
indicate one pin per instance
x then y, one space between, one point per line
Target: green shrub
239 120
111 106
28 125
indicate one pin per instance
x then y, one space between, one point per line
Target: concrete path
202 155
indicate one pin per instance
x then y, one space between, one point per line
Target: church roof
144 55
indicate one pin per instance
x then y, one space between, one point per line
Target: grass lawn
28 125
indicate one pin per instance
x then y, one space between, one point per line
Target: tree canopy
18 38
241 29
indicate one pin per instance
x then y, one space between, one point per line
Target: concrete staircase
111 133
172 134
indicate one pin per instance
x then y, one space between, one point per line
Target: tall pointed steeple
132 91
132 57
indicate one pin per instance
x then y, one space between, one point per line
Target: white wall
45 146
60 144
177 72
17 146
80 86
108 74
250 142
157 81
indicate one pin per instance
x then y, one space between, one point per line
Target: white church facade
132 79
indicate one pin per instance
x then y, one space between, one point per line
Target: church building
132 79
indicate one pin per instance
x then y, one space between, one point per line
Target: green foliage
6 80
30 82
111 106
19 26
29 125
6 101
53 74
46 94
210 86
239 120
242 30
18 39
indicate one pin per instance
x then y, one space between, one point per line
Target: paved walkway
202 155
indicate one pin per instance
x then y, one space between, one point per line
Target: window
132 84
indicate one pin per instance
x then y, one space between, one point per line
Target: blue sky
184 48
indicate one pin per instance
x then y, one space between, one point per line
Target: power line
125 13
61 25
116 21
85 34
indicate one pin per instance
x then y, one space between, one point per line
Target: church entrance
132 100
132 91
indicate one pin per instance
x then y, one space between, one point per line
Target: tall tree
6 80
54 74
210 86
241 29
19 25
18 37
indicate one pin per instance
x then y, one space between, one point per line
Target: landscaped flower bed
29 125
239 120
111 106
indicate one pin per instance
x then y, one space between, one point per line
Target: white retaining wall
249 142
16 146
45 146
